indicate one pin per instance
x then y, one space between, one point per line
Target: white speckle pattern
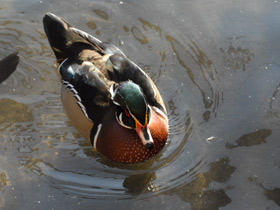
132 150
120 121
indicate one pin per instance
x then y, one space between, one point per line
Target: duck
8 65
109 99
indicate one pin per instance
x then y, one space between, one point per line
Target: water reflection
199 58
138 35
4 181
144 184
13 112
236 58
45 152
91 25
199 193
251 139
101 14
213 85
273 194
204 79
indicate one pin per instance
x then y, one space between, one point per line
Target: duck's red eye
126 113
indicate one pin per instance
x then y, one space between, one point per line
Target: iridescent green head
131 98
133 111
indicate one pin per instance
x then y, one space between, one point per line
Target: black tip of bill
149 145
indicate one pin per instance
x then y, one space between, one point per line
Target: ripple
48 146
274 102
201 72
94 186
98 177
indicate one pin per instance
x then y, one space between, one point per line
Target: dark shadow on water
255 138
205 78
14 112
273 194
197 192
140 183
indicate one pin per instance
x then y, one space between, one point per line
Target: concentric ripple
45 145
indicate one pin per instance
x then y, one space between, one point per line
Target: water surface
216 65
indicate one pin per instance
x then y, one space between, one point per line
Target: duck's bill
145 135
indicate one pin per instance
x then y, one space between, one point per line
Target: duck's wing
120 68
69 42
105 48
8 65
89 88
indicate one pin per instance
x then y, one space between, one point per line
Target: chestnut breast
123 145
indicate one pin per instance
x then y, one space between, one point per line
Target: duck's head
133 111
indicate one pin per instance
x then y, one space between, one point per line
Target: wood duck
110 100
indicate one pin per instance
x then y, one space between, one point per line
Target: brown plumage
110 100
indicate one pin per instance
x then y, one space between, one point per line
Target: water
216 65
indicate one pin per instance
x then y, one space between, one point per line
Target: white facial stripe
113 95
96 135
120 121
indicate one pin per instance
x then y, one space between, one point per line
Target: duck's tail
64 42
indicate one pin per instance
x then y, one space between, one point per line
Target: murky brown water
217 66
